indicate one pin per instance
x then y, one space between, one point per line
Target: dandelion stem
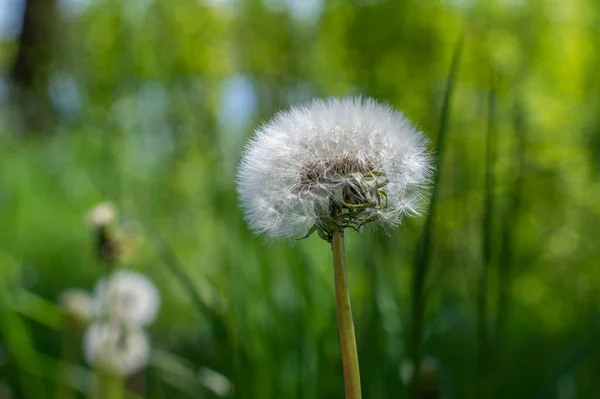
107 385
345 323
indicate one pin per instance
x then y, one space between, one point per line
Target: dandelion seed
117 349
127 297
336 162
77 303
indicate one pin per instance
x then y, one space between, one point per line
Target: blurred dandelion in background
78 304
102 215
115 348
127 297
102 219
123 303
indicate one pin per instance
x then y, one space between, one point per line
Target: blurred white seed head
77 303
102 214
127 297
115 348
348 161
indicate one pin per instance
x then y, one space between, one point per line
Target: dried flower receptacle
354 187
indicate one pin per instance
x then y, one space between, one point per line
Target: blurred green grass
169 93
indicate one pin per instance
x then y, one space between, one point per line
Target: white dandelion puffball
117 349
335 162
102 214
77 303
127 297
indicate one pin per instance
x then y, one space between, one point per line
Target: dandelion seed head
127 297
115 348
348 161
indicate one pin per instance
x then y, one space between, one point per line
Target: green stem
345 323
107 385
69 357
137 383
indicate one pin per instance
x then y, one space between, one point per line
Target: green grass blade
509 219
488 238
424 250
20 344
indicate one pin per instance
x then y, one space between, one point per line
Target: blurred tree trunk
29 73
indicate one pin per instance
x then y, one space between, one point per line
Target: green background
148 104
